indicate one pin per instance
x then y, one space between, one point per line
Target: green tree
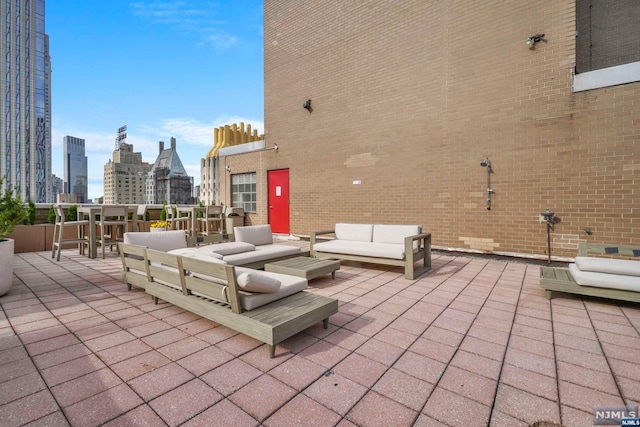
52 215
12 211
31 214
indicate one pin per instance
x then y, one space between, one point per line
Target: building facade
441 114
25 101
75 168
57 186
224 137
125 177
168 180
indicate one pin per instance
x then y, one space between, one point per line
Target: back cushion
354 232
383 233
255 234
158 240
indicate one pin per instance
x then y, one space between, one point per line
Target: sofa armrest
312 239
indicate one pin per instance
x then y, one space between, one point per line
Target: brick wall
409 97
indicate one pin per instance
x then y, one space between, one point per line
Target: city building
25 100
468 118
168 180
224 136
125 176
75 168
57 186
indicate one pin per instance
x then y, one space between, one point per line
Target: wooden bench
560 279
210 290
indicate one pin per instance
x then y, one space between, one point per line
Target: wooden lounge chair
211 291
561 280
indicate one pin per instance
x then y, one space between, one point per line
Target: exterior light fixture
227 168
307 105
533 40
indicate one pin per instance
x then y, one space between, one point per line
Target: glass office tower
75 168
25 100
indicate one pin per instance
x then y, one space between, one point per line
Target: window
243 191
607 43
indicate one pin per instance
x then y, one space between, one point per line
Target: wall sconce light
275 147
227 168
533 40
307 105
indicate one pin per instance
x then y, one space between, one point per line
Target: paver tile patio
472 342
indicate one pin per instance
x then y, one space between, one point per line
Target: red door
278 182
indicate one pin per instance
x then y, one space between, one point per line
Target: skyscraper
75 168
25 100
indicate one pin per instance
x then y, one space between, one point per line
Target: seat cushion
378 250
195 253
604 280
161 241
607 265
354 232
254 234
289 285
230 248
262 253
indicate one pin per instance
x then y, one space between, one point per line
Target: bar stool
113 224
58 233
176 221
212 220
141 215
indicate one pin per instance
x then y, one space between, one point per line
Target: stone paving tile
160 381
404 389
455 410
205 360
72 369
336 392
102 407
360 369
224 413
184 402
20 387
231 376
375 409
468 384
139 365
27 409
55 419
142 416
303 411
83 387
274 395
525 406
297 372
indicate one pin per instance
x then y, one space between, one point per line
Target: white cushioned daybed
597 276
401 245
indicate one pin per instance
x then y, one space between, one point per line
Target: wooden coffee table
309 268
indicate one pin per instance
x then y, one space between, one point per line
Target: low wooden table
309 268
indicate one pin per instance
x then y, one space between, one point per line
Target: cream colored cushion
607 265
230 248
354 232
256 281
254 234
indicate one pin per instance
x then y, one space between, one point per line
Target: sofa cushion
607 265
254 234
395 234
257 281
230 248
354 232
160 240
379 250
261 253
195 253
289 285
604 280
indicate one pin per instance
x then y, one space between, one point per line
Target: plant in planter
12 212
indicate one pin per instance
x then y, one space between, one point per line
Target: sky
163 68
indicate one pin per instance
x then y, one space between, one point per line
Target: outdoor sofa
401 245
606 277
253 248
269 307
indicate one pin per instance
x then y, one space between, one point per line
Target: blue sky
163 68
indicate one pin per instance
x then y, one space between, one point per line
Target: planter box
37 238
